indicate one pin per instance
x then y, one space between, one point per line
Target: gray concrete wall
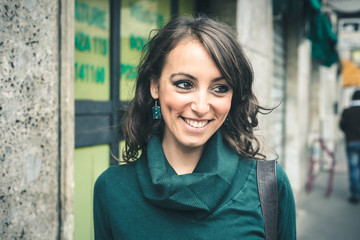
255 29
298 109
67 126
298 118
328 97
315 88
29 119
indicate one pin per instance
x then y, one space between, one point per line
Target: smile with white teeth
196 124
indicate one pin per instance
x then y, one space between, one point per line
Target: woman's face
194 97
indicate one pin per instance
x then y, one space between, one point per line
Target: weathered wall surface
29 79
297 110
256 37
298 97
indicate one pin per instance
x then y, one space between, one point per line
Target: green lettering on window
82 72
100 75
90 15
128 71
100 45
82 41
89 73
76 70
144 15
137 42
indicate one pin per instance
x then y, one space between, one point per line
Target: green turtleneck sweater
219 200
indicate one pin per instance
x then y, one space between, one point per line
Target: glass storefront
138 18
92 61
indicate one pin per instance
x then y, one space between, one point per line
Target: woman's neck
182 159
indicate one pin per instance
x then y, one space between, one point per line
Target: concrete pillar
255 29
67 120
315 89
329 96
36 118
297 106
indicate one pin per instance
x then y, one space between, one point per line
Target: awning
350 73
320 32
321 35
323 40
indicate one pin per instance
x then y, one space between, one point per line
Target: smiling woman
216 43
197 169
195 100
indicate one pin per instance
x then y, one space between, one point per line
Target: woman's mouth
196 123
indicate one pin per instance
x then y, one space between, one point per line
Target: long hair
221 43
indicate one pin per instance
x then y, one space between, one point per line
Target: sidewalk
320 217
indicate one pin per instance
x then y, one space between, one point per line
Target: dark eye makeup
187 85
183 84
222 88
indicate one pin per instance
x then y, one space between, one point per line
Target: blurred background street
329 218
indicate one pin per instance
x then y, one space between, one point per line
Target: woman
192 120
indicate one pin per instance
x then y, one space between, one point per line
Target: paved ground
320 217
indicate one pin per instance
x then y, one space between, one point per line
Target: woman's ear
154 89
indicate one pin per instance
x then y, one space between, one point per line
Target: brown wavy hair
221 43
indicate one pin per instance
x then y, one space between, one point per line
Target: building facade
68 69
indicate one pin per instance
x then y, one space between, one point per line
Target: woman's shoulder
286 206
285 192
281 177
117 174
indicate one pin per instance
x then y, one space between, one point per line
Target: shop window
92 62
138 18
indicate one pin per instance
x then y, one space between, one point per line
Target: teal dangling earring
156 111
226 122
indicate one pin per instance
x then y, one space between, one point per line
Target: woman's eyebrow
218 79
194 78
183 74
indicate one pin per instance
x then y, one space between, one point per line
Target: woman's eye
183 84
221 89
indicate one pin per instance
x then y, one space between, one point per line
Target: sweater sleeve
101 220
286 207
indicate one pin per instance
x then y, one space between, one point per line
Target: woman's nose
200 105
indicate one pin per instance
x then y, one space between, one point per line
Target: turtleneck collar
200 191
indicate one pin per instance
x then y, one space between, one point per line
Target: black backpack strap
267 187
